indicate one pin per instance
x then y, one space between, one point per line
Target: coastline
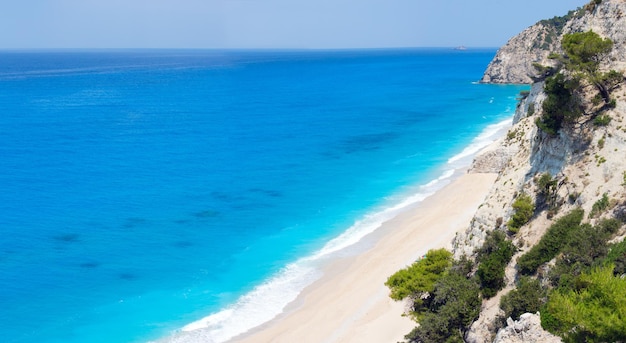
290 290
350 302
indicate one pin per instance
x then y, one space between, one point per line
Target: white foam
259 306
269 299
488 136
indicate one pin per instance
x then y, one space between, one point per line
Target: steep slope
586 161
514 61
565 159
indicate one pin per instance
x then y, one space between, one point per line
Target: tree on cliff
584 51
579 65
417 281
595 311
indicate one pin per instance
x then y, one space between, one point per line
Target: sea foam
269 299
488 136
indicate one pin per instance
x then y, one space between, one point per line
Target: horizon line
31 49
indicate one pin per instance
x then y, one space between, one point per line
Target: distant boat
462 47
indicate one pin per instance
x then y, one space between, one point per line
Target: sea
190 195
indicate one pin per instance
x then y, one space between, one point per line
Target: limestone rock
493 160
586 160
608 19
525 330
513 62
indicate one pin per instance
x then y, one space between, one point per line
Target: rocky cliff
586 160
514 61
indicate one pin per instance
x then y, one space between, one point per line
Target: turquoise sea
158 192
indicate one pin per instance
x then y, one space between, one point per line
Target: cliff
514 61
557 209
586 161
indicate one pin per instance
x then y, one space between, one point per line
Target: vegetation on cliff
418 280
446 294
557 181
593 311
445 300
524 209
578 66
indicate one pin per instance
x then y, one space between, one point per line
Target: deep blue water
141 191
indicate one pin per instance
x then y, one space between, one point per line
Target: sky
283 24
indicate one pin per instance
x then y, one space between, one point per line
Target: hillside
585 161
549 236
514 61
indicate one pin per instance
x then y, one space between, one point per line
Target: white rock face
525 330
513 63
586 160
608 20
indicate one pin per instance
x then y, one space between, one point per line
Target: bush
545 183
561 105
595 312
493 257
600 206
609 226
617 257
547 187
523 94
602 120
524 210
420 277
455 306
529 296
551 243
585 246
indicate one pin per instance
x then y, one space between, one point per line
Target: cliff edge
584 162
514 62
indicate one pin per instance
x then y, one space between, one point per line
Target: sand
350 302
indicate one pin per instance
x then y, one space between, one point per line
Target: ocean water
175 195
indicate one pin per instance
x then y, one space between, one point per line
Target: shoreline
314 270
350 302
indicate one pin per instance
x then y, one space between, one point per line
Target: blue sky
269 23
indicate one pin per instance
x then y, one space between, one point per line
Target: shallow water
141 191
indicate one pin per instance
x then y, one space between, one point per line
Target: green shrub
600 206
529 296
511 134
547 191
609 226
524 210
617 257
545 183
455 306
420 277
493 258
585 247
551 243
594 312
561 105
602 120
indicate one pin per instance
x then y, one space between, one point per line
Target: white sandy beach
350 302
